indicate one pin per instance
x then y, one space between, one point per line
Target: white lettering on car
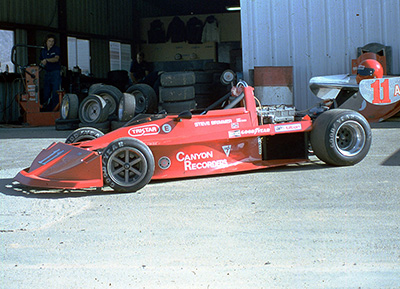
166 128
198 161
181 156
201 123
288 127
253 131
212 122
150 129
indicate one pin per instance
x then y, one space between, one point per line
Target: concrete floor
299 226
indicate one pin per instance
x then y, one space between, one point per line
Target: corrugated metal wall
111 18
316 37
96 20
150 8
100 17
43 12
9 107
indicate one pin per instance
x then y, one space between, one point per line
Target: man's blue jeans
52 83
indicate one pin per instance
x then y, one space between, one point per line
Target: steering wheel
225 97
235 101
215 104
239 98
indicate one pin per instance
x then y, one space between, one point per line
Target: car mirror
184 115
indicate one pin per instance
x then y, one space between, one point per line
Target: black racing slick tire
117 124
203 77
178 106
93 109
95 86
126 107
128 165
109 93
104 127
182 93
69 106
83 134
341 137
146 98
66 124
175 79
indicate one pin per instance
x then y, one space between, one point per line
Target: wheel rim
65 108
350 138
140 102
92 111
113 104
121 109
127 166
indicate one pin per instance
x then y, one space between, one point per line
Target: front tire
341 137
128 165
83 134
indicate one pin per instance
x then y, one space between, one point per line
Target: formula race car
234 134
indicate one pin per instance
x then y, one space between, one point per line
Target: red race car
232 135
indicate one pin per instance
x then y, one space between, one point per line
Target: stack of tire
68 113
176 92
106 107
100 107
96 110
145 96
138 99
208 87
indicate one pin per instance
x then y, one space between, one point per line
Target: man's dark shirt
139 69
45 54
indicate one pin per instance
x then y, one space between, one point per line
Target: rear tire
341 137
128 165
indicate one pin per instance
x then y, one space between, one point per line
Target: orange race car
232 135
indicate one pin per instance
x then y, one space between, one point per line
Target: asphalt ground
299 226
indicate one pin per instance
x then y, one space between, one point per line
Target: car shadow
385 124
10 187
304 166
393 160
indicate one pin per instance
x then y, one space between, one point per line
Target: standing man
139 68
50 59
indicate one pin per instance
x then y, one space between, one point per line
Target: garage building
312 37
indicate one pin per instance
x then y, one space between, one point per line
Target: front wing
63 166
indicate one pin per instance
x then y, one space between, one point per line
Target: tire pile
208 86
106 107
176 92
181 91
